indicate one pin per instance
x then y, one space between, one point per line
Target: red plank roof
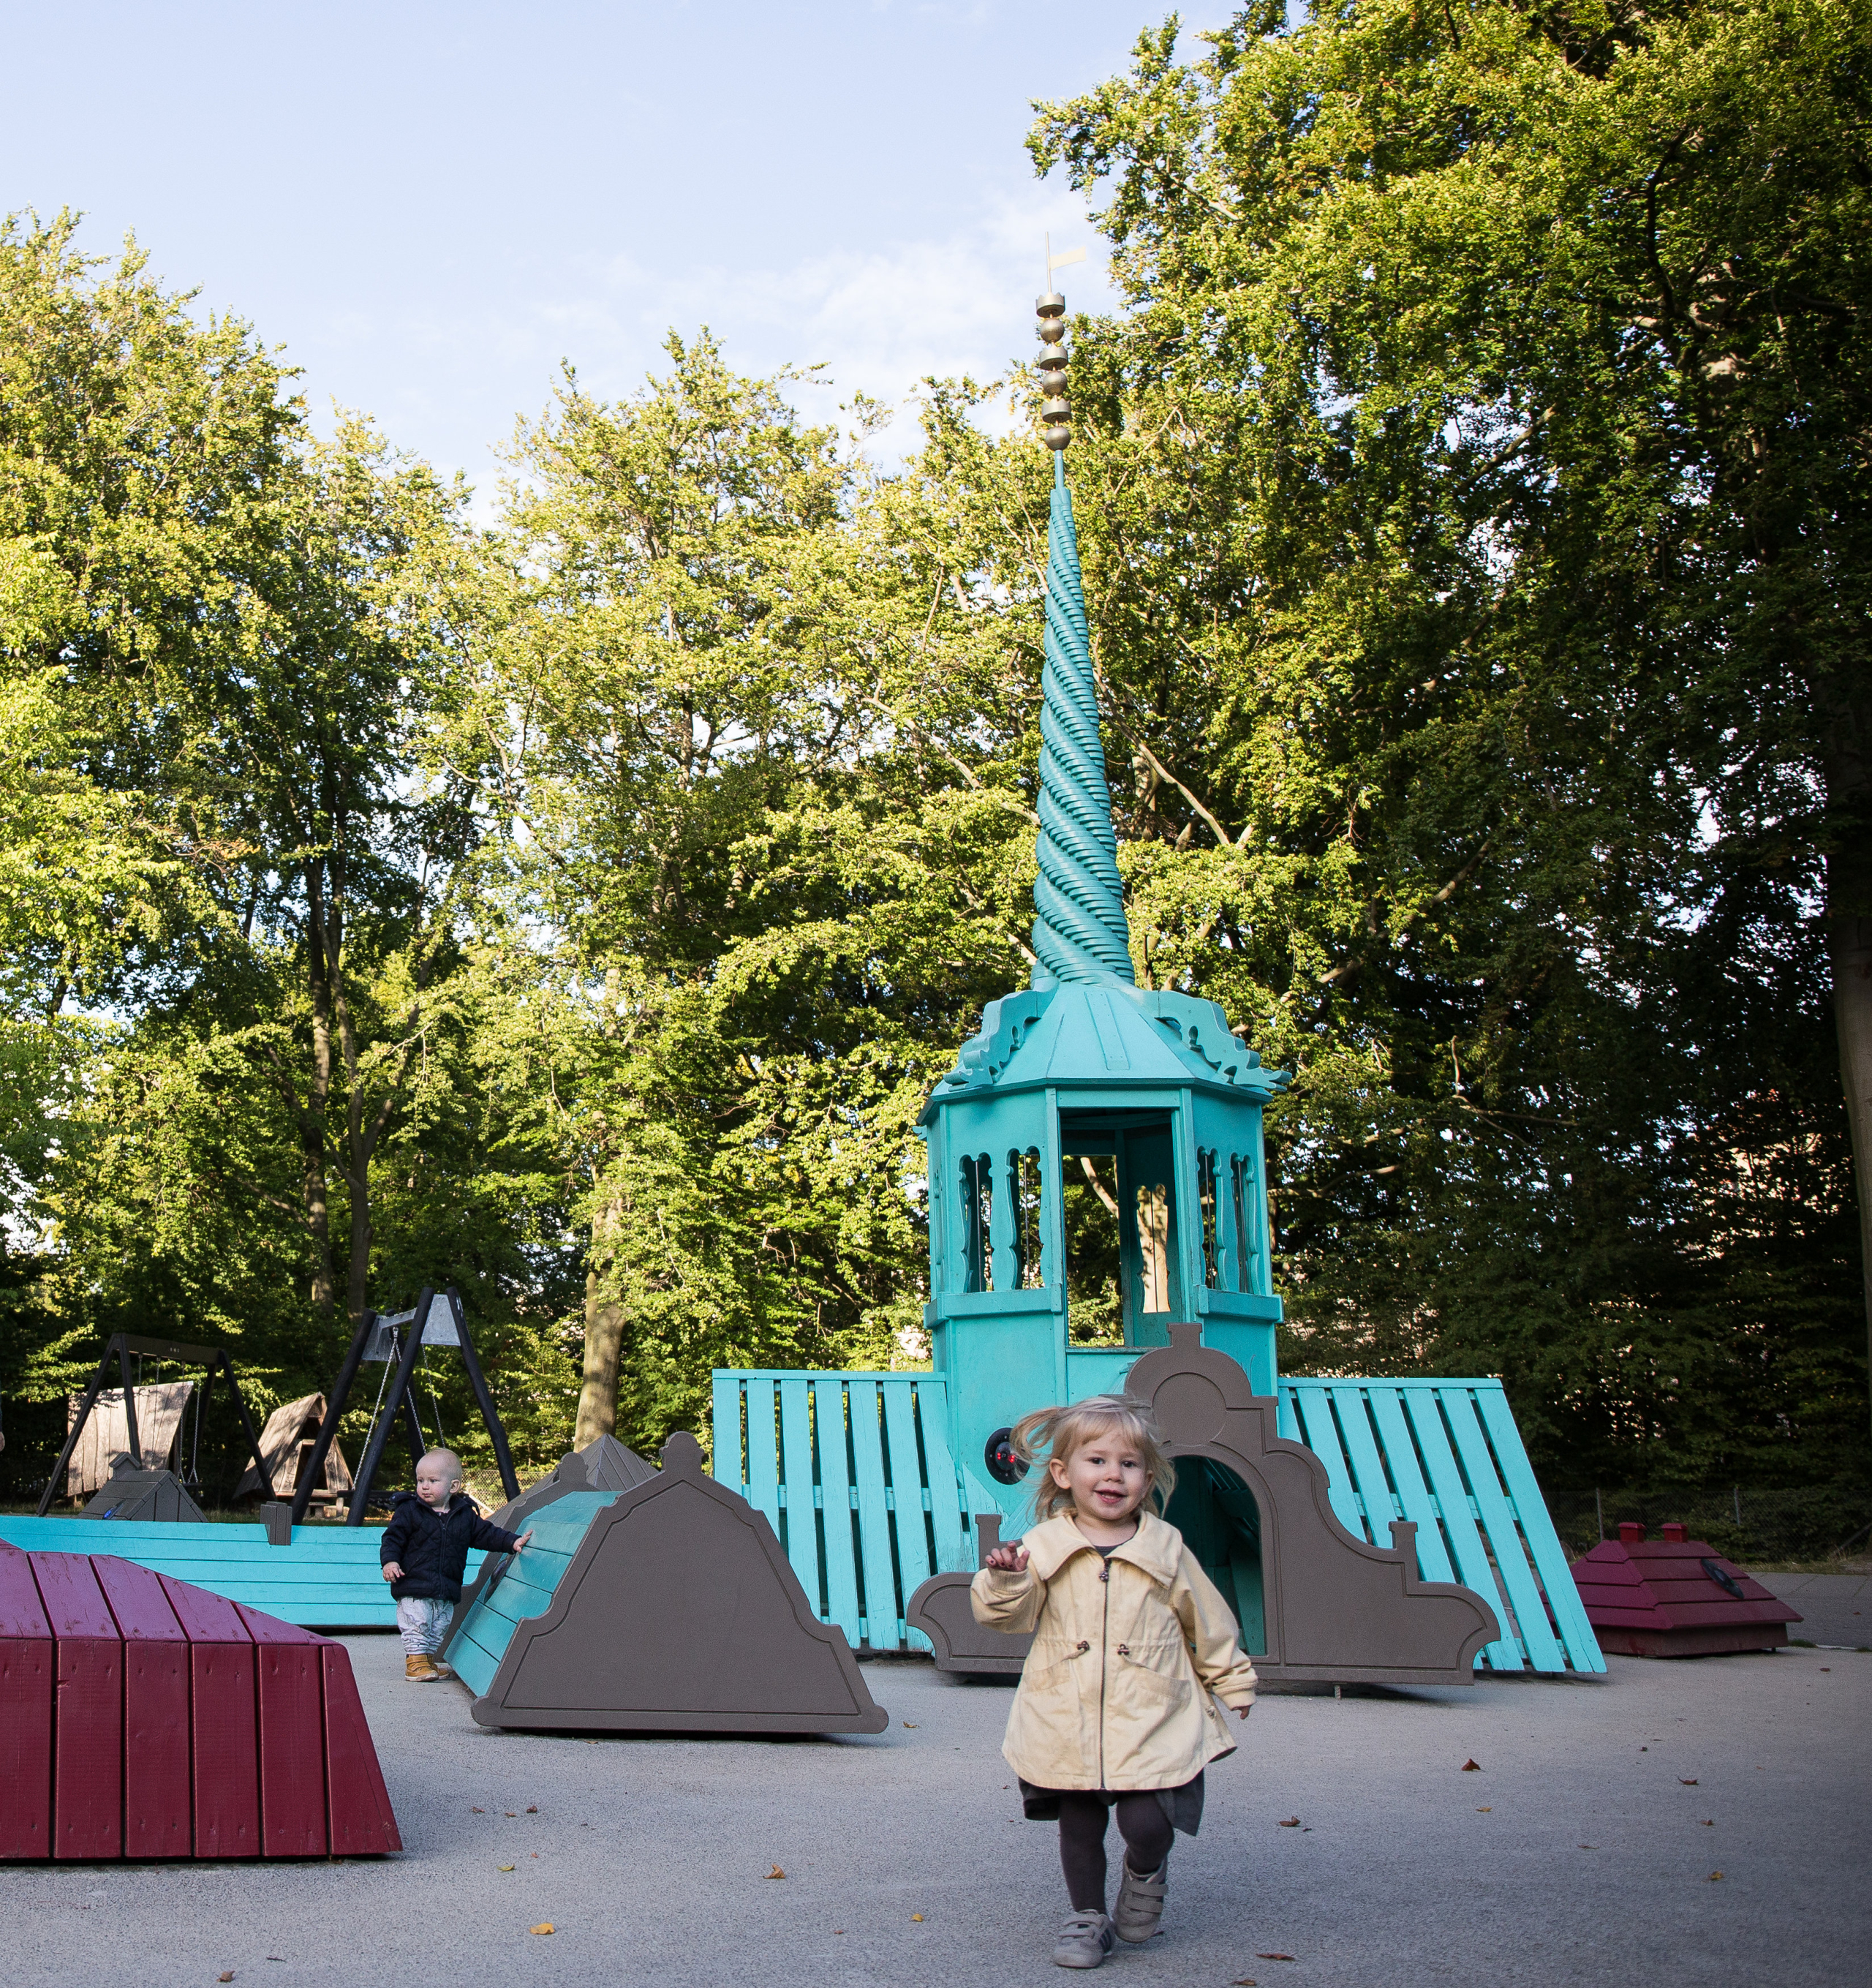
1671 1584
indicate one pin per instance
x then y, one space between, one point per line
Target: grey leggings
1083 1818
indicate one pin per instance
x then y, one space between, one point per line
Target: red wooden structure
1675 1597
142 1717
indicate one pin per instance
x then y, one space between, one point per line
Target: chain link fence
1759 1528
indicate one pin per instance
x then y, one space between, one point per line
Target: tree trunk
604 1336
1848 769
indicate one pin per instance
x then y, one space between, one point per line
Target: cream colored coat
1130 1656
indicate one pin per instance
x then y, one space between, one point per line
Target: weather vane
1055 414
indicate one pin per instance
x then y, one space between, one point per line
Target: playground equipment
122 1347
154 1496
396 1339
669 1607
1148 1098
286 1442
1675 1597
143 1717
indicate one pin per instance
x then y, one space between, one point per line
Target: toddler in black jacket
424 1553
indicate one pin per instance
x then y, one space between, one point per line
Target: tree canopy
578 907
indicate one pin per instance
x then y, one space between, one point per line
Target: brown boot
419 1670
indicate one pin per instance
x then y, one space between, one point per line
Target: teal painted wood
480 1638
800 1489
1356 1433
1413 1493
1319 1435
1543 1648
761 1463
729 1465
836 1505
1461 1530
328 1578
909 1501
948 1520
1543 1543
884 1620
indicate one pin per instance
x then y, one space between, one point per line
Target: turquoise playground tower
872 1480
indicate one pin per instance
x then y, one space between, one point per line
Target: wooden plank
762 1490
1367 1468
224 1761
801 1534
726 1463
158 1806
877 1586
291 1695
1543 1543
1433 1560
907 1488
1315 1415
954 1545
87 1782
28 1667
1544 1650
1459 1526
359 1822
835 1506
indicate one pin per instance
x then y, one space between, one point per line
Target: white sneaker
1140 1904
1085 1940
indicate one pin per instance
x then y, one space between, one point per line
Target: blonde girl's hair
1054 1434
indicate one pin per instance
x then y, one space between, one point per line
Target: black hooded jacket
432 1546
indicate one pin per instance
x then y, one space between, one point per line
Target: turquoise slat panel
473 1664
954 1535
878 1585
835 1506
1433 1560
1362 1453
1542 1541
907 1490
802 1499
726 1463
1315 1413
1459 1525
763 1489
1543 1647
1286 1422
524 1590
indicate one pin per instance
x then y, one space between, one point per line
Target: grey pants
422 1621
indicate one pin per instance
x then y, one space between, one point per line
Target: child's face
434 1482
1106 1475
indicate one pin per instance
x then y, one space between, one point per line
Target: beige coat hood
1129 1656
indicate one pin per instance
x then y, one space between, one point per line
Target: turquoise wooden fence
328 1578
480 1637
854 1474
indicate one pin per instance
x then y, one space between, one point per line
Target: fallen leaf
1293 1822
1489 1811
777 1872
1709 1822
508 1814
1682 1784
1716 1877
910 1726
1243 1981
545 1925
478 1811
917 1917
228 1976
533 1808
503 1867
536 1856
1472 1766
1589 1846
1273 1956
838 1932
1825 1669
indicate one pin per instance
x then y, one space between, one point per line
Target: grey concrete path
1836 1608
1582 1851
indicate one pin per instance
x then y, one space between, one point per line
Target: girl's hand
519 1545
393 1571
1242 1711
1007 1560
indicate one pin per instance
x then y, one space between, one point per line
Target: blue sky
429 206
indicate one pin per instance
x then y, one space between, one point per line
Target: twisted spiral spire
1080 933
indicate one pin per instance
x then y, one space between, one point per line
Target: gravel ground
1582 1850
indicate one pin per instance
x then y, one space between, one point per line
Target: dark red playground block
291 1737
1674 1597
357 1802
156 1807
225 1759
87 1809
26 1668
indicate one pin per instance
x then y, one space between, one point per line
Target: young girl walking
1133 1647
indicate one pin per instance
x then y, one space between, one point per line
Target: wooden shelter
154 1497
287 1443
1675 1597
100 1441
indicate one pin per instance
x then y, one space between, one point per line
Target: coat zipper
1104 1643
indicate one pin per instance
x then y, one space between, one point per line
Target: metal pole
130 1401
1600 1508
328 1428
76 1429
399 1387
247 1422
484 1396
